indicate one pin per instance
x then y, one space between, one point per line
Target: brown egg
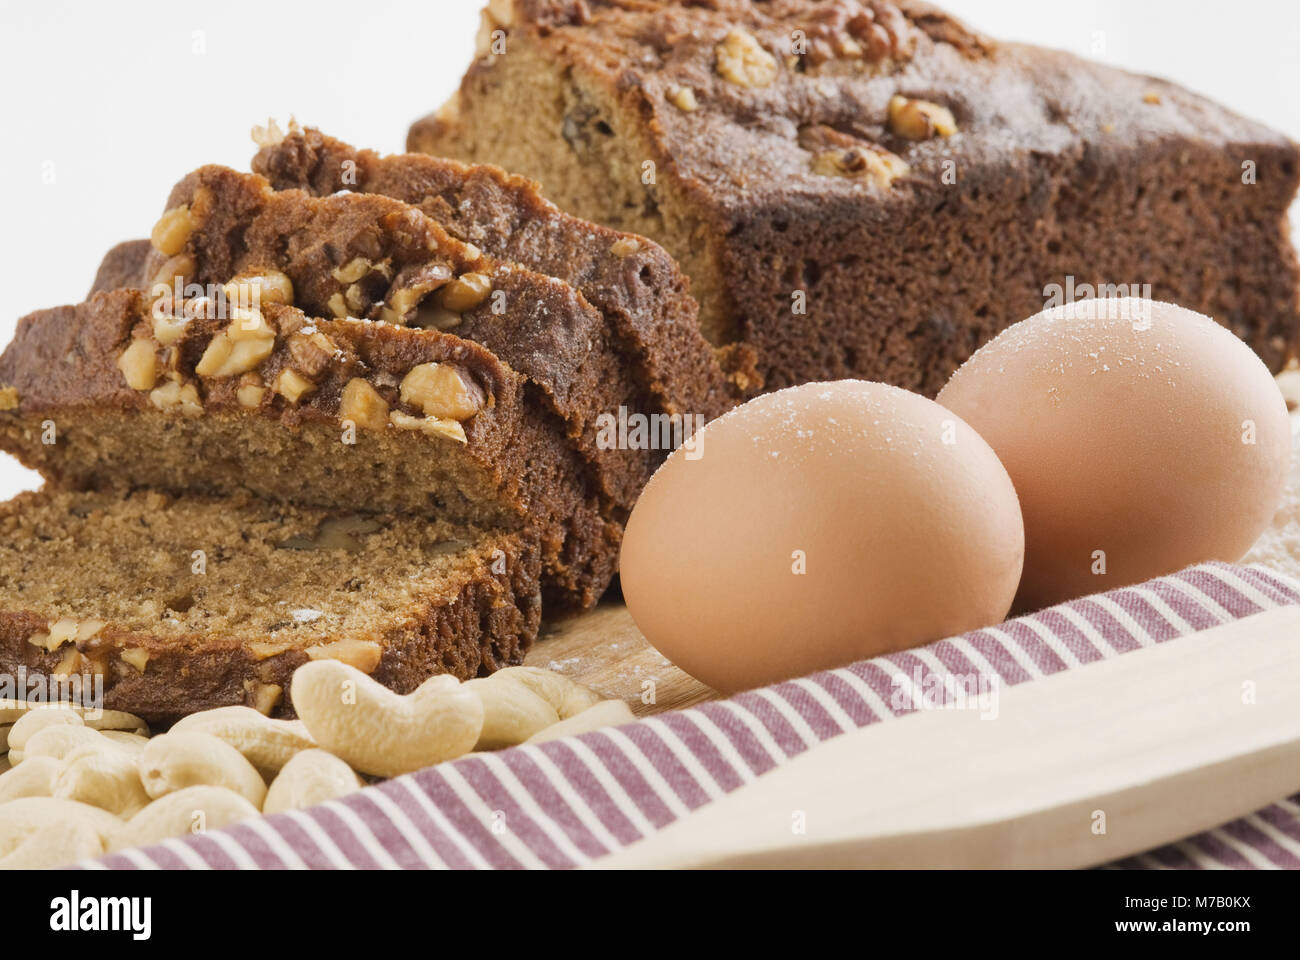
1142 437
816 526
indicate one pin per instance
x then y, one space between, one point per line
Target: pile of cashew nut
79 784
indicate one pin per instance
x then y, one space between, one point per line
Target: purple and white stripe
568 802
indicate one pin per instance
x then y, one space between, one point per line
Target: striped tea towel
567 802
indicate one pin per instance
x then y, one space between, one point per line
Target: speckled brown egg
1141 437
816 526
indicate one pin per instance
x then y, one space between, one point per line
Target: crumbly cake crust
913 236
122 266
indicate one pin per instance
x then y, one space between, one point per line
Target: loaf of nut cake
632 281
868 188
346 414
166 605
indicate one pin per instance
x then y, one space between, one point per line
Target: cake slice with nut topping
203 396
377 259
632 281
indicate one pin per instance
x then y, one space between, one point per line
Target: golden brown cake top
743 100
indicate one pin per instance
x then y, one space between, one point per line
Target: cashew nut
511 712
379 732
34 721
60 740
191 810
175 761
520 702
114 721
107 779
267 744
54 845
32 779
607 713
13 710
309 778
568 698
19 819
130 743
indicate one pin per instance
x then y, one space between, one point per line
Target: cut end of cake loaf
375 258
403 286
631 280
881 197
165 606
120 392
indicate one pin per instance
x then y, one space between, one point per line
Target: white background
104 105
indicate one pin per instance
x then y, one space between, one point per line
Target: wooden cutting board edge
604 650
1159 740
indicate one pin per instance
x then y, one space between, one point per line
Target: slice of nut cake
123 392
166 605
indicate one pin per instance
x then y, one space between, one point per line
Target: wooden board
1154 745
604 650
